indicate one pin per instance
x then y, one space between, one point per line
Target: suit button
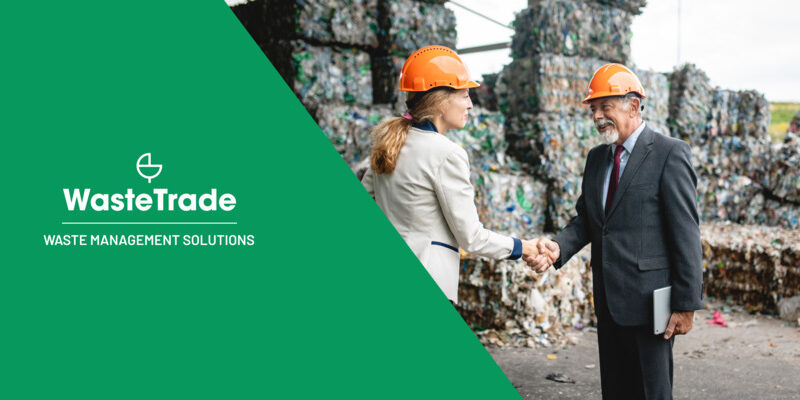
605 231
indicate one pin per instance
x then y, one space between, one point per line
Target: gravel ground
755 357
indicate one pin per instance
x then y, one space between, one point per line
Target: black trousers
634 363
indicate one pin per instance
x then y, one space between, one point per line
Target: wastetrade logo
161 198
157 201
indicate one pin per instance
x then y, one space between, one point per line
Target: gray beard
609 136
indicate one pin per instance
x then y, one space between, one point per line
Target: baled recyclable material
386 81
484 95
572 28
548 83
350 22
743 114
690 95
554 146
349 127
322 74
751 265
656 110
528 309
782 214
483 137
509 202
415 24
783 176
632 6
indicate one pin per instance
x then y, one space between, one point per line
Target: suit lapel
600 179
640 152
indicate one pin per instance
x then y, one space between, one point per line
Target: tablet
661 309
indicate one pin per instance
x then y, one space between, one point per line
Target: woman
420 179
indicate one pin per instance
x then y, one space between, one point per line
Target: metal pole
488 47
679 33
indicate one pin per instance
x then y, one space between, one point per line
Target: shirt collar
630 142
426 126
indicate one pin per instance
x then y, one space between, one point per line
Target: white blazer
430 201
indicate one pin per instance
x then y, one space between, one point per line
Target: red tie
612 185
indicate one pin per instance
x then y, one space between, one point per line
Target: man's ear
635 104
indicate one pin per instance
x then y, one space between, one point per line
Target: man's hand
530 254
542 256
680 323
550 249
546 249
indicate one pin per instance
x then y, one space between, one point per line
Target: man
638 210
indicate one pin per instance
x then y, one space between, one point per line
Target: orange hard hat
434 66
613 80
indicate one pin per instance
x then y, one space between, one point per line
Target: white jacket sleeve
457 199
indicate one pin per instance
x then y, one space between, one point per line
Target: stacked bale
744 114
507 301
742 176
782 178
690 95
508 200
351 22
485 95
415 24
405 26
325 75
548 83
752 265
782 184
483 137
656 110
572 28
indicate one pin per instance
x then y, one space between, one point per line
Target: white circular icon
147 170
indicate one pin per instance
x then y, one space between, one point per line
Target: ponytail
389 137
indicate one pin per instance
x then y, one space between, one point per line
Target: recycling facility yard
527 140
755 356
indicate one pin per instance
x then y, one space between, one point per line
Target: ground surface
756 357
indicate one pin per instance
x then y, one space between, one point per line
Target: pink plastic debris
717 319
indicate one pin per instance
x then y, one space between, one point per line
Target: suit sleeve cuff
560 262
517 252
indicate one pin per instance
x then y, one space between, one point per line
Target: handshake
540 253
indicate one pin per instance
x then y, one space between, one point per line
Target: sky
741 44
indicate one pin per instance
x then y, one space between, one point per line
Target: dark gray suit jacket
650 238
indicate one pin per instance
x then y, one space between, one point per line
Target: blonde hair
390 135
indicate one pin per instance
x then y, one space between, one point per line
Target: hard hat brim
465 85
600 95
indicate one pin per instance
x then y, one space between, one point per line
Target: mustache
602 123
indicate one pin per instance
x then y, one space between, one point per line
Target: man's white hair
626 101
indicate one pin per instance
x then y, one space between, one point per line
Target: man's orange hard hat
434 66
613 80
